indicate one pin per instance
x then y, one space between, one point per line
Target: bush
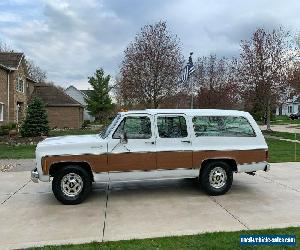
86 123
4 129
36 121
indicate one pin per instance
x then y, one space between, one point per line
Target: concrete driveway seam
279 183
16 192
106 204
231 214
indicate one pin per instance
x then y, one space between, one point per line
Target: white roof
191 112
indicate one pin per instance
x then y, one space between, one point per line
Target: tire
216 177
71 185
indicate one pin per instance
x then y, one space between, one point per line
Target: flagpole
192 90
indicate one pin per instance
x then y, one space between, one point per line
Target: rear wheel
216 177
71 185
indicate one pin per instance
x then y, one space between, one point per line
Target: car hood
71 139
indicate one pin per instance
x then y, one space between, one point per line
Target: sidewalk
31 216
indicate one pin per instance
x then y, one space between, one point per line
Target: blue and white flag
188 69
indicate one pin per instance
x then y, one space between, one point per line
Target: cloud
70 39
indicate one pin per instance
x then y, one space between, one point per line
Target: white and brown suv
209 144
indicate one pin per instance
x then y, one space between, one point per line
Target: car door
137 150
173 142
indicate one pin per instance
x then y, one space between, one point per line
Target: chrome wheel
71 184
217 177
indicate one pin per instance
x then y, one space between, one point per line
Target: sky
71 39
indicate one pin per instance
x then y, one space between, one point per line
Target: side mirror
123 138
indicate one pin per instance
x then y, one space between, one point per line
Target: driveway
31 216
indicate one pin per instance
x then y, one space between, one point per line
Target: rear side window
227 126
171 127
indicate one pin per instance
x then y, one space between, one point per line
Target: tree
151 67
35 72
99 103
36 121
214 82
263 69
4 47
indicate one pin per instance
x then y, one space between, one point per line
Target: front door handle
186 141
150 142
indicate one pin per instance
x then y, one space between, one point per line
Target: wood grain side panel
240 156
132 161
98 163
172 160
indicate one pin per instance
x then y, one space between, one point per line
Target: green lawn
283 151
282 119
285 135
17 152
219 240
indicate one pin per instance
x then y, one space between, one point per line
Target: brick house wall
65 117
15 97
3 93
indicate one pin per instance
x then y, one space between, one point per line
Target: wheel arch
230 161
56 166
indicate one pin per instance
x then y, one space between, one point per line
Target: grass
282 151
283 120
218 240
285 135
17 152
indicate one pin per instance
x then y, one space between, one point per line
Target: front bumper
35 175
267 168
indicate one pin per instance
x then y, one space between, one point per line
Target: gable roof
86 92
11 60
53 96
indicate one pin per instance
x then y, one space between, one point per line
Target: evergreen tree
98 101
36 121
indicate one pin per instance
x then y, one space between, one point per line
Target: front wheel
216 177
71 185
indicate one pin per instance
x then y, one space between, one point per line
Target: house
15 87
291 106
63 111
79 96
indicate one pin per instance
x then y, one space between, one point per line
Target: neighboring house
79 96
63 111
15 87
291 106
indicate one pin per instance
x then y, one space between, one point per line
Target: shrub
36 121
4 129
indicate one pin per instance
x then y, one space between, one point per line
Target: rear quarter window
226 126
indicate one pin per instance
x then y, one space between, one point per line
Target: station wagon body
208 144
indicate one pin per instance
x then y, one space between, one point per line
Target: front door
173 142
136 151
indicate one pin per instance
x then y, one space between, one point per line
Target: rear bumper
252 167
35 175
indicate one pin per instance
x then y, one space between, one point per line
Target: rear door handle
186 141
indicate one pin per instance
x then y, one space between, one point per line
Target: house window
1 111
290 109
20 85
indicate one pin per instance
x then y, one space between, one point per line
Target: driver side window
134 127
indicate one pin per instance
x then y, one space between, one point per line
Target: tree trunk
269 114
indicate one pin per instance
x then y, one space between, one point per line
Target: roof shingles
10 60
53 96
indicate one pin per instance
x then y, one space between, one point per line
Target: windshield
106 131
